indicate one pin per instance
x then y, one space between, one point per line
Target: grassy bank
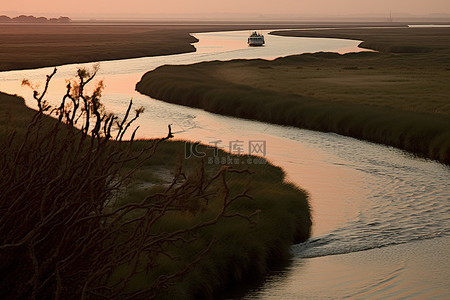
393 40
400 100
242 252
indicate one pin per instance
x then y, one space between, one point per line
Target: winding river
381 216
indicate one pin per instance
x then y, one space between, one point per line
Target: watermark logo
193 150
236 147
257 147
237 150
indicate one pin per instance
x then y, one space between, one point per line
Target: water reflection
418 270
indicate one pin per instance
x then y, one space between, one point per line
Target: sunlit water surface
381 216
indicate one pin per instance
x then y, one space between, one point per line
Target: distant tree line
33 19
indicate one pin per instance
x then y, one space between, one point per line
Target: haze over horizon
251 9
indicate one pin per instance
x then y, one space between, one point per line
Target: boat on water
256 39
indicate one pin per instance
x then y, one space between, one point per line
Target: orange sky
90 8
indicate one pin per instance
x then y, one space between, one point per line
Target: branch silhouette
63 232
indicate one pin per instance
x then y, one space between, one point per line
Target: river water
381 216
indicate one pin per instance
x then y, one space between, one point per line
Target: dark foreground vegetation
400 99
84 214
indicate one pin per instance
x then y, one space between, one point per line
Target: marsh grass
242 252
398 100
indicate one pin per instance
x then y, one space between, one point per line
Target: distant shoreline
33 19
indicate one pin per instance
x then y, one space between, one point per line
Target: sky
92 8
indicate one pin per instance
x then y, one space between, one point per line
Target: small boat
256 39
